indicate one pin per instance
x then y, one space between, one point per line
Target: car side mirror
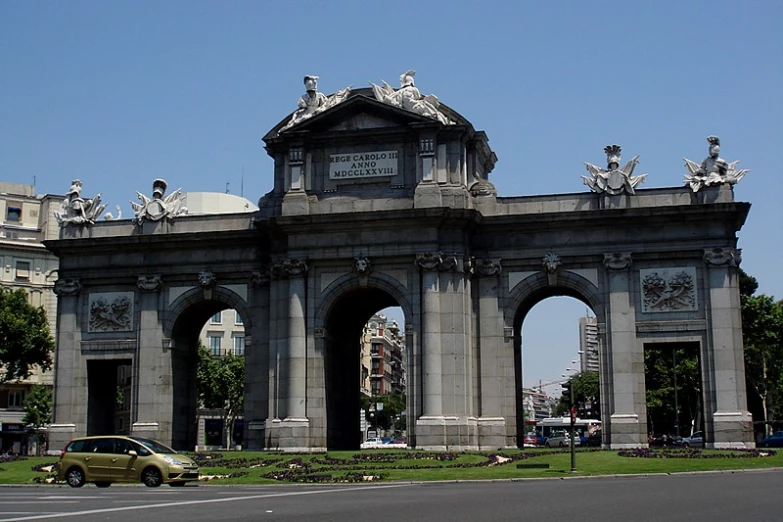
133 453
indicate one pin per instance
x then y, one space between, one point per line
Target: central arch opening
349 332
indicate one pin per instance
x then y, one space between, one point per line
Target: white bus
583 428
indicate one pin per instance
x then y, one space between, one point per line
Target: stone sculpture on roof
158 207
76 210
313 102
409 98
714 170
613 180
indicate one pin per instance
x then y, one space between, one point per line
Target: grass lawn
409 465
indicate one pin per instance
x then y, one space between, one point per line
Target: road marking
196 502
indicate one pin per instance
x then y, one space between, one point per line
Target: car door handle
87 459
114 459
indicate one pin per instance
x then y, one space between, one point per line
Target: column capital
438 261
489 266
294 267
149 283
67 287
259 277
618 261
722 256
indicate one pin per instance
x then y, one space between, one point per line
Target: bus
583 428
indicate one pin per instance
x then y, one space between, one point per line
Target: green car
103 460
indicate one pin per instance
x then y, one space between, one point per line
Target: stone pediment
359 111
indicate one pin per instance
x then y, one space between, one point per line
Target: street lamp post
572 412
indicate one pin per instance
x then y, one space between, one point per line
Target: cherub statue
613 180
409 98
313 102
713 170
158 207
76 210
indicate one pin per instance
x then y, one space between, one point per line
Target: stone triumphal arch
381 198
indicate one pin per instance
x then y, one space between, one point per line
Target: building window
217 318
214 345
239 345
23 270
238 319
16 399
13 214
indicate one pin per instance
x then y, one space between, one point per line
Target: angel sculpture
313 102
714 170
76 210
409 98
158 207
614 180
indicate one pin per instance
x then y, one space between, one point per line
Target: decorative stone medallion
669 290
111 312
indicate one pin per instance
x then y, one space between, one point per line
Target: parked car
530 441
694 441
370 443
104 460
666 441
773 441
560 440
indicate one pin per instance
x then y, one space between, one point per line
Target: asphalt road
707 497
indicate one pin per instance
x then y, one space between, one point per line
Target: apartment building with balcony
27 221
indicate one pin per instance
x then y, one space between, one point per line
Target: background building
588 344
382 357
28 220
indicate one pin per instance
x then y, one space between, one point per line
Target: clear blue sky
120 93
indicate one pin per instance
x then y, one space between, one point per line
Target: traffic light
566 386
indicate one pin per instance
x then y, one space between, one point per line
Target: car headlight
173 461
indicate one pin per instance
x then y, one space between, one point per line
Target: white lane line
37 502
196 502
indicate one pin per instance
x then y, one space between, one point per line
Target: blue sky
120 93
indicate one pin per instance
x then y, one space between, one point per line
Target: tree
221 385
38 410
762 333
25 340
586 393
663 365
391 414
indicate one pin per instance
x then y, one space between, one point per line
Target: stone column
257 363
627 404
276 325
430 427
70 379
492 363
294 434
152 414
732 422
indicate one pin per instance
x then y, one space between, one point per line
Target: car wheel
686 445
151 477
102 484
75 477
562 444
548 445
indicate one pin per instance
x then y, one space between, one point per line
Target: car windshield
156 447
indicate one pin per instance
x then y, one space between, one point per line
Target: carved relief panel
111 312
669 290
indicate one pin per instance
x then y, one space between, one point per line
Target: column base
59 435
291 434
254 435
446 433
626 431
491 433
732 430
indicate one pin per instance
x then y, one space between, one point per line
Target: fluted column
294 374
732 422
432 386
70 380
627 402
492 363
